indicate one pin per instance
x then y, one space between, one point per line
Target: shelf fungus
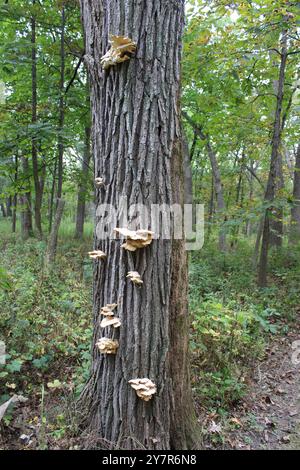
97 254
107 346
135 277
110 321
144 388
99 182
109 318
108 310
135 239
120 48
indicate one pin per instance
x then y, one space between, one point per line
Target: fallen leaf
215 428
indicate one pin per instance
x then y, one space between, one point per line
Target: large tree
137 145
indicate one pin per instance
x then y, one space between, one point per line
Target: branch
197 129
288 107
74 75
255 176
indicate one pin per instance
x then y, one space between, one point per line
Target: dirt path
270 415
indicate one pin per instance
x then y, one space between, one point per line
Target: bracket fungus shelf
135 277
99 182
97 254
110 321
108 310
107 346
145 388
121 46
109 318
135 239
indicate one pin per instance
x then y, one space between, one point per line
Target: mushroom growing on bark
135 277
120 48
97 254
99 182
144 388
107 346
108 310
110 321
135 239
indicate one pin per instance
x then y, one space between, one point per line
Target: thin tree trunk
25 202
273 223
138 152
83 186
15 198
217 180
38 195
61 106
52 243
295 212
8 206
51 208
219 193
3 209
211 207
248 222
187 168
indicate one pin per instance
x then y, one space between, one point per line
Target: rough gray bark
136 136
52 242
273 223
83 186
295 212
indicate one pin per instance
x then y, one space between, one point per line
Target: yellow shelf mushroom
135 277
135 239
107 346
97 254
145 388
120 48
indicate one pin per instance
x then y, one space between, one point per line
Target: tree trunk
61 106
138 152
25 202
295 213
52 243
219 193
217 179
15 198
273 221
3 209
84 183
8 206
51 206
37 187
187 168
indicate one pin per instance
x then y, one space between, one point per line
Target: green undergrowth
233 320
45 318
